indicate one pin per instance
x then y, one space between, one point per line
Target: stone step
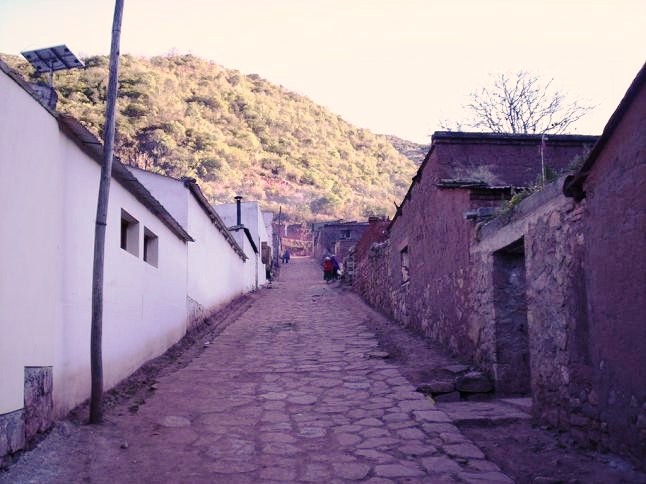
490 412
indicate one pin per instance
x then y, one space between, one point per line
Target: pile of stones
457 382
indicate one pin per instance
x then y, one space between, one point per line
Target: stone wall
557 315
19 428
12 435
39 404
372 279
567 383
372 269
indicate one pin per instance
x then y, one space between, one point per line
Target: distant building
336 238
295 237
368 252
246 222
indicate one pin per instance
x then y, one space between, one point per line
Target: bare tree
521 103
96 362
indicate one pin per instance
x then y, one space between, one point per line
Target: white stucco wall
48 192
170 192
31 234
215 274
250 269
251 218
215 271
268 218
144 306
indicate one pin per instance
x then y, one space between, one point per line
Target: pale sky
392 66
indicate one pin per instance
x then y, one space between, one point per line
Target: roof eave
194 189
573 186
91 146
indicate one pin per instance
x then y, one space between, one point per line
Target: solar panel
52 59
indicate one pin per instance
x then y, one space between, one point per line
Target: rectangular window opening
151 249
405 264
129 233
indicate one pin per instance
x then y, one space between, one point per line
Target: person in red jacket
328 269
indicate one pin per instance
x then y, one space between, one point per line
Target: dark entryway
510 302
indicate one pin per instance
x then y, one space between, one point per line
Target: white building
268 219
49 178
49 181
216 262
246 222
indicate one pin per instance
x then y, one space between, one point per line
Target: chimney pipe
238 210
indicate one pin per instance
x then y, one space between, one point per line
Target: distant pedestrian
286 256
328 269
335 268
268 271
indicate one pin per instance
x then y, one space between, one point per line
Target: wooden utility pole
96 360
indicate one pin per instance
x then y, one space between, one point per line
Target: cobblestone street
293 391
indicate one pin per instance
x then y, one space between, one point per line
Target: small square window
151 249
405 264
129 233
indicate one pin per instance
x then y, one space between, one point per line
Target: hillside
237 134
411 150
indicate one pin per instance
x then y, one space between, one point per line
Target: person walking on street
335 268
328 269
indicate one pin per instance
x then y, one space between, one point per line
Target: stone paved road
292 391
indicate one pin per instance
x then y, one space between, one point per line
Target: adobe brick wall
500 159
432 226
615 248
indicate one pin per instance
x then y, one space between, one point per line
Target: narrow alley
294 390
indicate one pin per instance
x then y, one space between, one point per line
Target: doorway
512 369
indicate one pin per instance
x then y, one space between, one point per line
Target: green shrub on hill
238 134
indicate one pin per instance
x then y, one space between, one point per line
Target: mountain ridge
237 134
